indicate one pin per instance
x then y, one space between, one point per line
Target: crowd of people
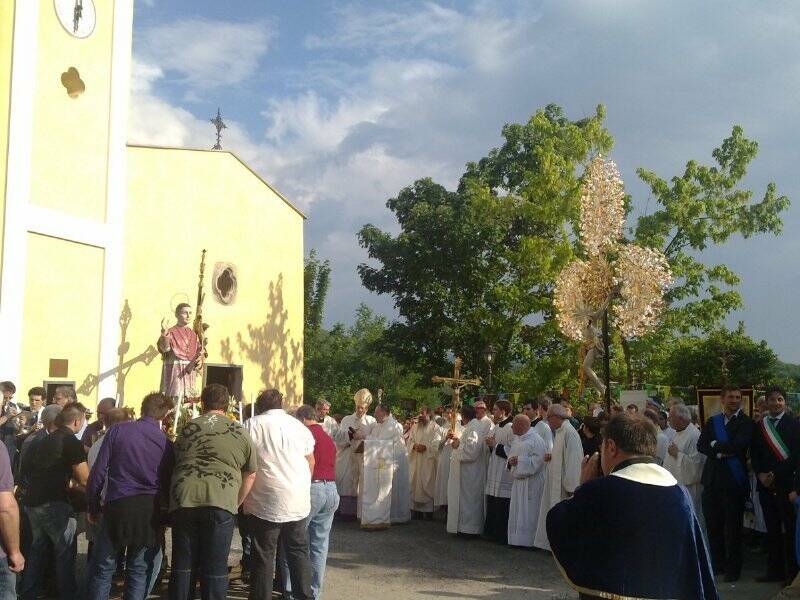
543 478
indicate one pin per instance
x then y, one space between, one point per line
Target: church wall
70 136
63 299
179 202
6 39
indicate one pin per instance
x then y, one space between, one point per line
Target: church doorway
51 385
228 375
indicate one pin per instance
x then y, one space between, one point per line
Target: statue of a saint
180 348
593 345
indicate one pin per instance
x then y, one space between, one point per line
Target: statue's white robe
443 466
390 432
465 490
687 467
348 463
423 465
563 475
527 489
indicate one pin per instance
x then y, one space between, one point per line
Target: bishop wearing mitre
350 455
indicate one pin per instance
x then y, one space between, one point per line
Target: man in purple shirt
135 461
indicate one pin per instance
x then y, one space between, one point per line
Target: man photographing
603 541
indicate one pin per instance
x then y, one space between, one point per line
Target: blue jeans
50 522
142 566
324 502
201 540
8 581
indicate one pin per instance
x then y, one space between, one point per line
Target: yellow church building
100 240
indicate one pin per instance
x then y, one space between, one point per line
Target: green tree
721 357
346 359
476 265
316 281
704 206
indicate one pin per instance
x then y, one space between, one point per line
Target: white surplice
498 477
527 489
687 467
392 432
465 489
443 468
375 497
563 475
544 431
330 426
348 462
423 465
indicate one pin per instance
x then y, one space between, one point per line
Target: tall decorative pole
219 124
617 282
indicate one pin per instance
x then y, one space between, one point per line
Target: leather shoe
770 578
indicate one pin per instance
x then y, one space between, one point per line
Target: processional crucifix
456 383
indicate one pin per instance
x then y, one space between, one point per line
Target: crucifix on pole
219 124
456 382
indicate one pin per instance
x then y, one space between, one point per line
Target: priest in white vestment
536 411
445 454
526 464
384 501
328 423
683 459
423 455
563 468
498 477
467 482
350 455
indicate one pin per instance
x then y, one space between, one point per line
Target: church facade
100 240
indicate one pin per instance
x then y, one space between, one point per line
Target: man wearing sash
724 440
774 455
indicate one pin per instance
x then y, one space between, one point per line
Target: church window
225 283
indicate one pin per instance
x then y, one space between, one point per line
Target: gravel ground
420 560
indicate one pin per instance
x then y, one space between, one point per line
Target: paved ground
421 561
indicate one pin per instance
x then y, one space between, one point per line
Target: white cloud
386 96
206 53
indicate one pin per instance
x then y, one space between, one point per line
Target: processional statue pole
607 361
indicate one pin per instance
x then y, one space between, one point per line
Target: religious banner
375 499
708 402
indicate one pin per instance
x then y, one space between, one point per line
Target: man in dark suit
725 439
774 455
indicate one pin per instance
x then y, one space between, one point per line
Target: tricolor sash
774 439
734 463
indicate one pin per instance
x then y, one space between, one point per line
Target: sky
341 104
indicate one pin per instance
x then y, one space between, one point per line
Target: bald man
526 463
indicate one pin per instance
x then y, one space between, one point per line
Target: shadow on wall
271 346
123 366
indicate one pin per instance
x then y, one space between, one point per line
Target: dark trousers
723 510
265 536
201 540
779 519
496 524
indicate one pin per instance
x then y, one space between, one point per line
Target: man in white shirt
280 499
